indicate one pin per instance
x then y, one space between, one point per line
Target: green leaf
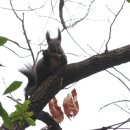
18 114
28 114
3 40
15 85
30 121
19 108
15 116
5 117
25 105
128 1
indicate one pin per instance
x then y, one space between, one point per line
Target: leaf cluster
21 113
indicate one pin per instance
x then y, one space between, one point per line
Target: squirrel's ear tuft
48 37
59 35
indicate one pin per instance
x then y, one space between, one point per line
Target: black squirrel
53 58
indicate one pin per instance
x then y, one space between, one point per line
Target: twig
121 73
92 49
14 52
17 101
70 19
76 22
52 6
122 108
48 17
76 2
110 29
113 103
4 82
14 11
27 40
122 124
81 19
111 72
119 80
25 10
12 98
101 46
61 5
77 43
117 124
34 9
24 31
18 44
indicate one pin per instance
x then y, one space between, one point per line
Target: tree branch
24 30
74 72
94 64
46 118
71 73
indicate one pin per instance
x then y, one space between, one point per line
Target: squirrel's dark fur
53 57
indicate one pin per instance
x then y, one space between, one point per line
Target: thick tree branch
74 72
46 118
94 64
77 71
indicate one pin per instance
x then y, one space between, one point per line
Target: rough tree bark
70 74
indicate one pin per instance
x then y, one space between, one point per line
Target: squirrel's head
54 45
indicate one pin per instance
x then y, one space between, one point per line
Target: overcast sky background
94 91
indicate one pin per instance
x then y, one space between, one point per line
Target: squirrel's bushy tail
28 71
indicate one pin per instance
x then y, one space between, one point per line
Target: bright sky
94 91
